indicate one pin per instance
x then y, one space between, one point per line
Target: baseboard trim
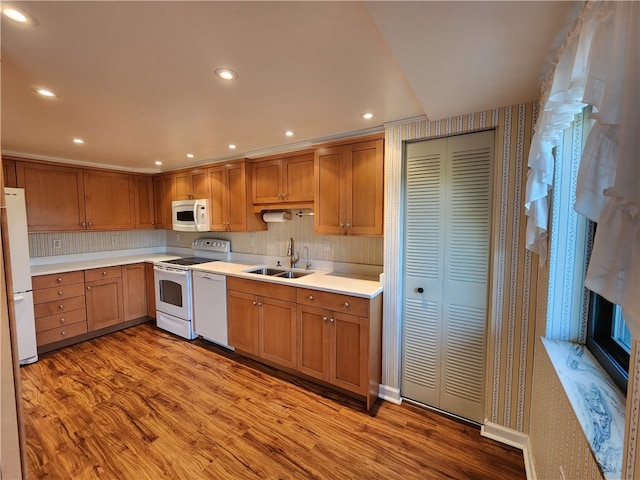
515 439
390 394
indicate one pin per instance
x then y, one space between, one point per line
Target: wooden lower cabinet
105 303
151 291
59 307
261 320
134 291
331 337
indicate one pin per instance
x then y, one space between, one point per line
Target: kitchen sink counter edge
315 279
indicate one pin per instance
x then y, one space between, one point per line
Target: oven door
173 294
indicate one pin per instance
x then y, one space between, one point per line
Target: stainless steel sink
278 272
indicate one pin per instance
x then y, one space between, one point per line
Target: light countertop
318 280
325 280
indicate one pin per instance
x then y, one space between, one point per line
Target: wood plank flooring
143 404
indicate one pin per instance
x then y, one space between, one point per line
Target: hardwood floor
143 404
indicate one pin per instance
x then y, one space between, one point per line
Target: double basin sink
277 272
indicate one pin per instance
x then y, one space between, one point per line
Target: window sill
597 402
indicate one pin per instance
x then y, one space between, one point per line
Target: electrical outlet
177 238
57 243
326 245
252 240
114 240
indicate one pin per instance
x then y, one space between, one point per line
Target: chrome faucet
292 254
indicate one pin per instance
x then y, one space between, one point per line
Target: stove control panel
212 245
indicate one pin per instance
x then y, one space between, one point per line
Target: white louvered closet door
446 265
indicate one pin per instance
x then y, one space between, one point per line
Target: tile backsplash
273 242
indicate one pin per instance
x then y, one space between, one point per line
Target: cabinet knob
342 225
60 292
346 304
324 319
332 320
255 303
88 288
63 333
310 297
90 224
104 273
84 224
259 304
347 225
59 279
62 320
61 306
420 290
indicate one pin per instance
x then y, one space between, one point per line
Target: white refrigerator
21 274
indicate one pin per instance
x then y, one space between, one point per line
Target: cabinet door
54 196
349 343
134 290
266 182
364 171
242 321
182 182
104 303
218 204
144 202
9 173
236 196
313 342
297 178
151 291
200 184
329 191
163 193
278 331
109 200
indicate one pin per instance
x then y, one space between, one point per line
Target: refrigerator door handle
18 298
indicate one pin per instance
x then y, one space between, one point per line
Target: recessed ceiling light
189 155
367 115
232 146
158 162
289 133
79 141
44 92
226 74
19 15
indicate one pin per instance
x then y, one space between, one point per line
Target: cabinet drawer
58 293
58 306
60 320
100 273
262 289
55 279
334 301
61 333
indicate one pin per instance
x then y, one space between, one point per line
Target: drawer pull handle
59 279
346 304
310 297
60 292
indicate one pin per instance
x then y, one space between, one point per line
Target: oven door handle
182 273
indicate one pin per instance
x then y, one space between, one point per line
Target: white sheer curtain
599 66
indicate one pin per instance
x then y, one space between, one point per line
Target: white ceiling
135 79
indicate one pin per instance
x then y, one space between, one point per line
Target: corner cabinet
283 183
349 189
163 194
230 206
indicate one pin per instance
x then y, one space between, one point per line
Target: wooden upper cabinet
109 200
349 189
144 202
163 194
54 196
192 184
283 182
9 173
230 199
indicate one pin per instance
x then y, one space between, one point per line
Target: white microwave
190 215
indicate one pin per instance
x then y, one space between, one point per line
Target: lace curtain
598 65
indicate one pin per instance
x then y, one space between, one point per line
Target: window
608 339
